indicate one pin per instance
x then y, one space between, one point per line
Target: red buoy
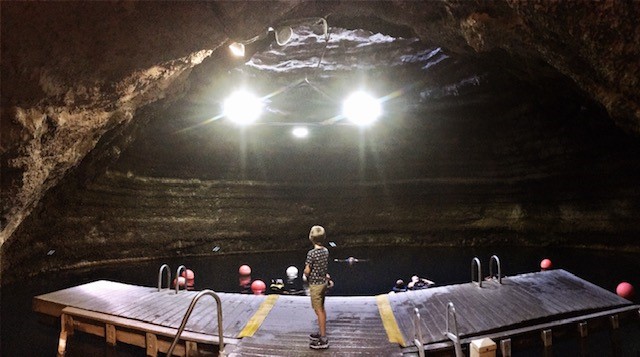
190 276
244 270
546 264
625 290
258 287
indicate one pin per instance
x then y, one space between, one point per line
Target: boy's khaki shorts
317 293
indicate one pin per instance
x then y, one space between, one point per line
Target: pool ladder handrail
188 314
417 333
497 260
181 267
168 270
453 335
475 262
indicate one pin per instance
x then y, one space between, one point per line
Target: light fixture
300 132
237 49
309 21
361 108
242 108
283 33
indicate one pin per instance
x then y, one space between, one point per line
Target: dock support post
615 323
547 341
615 335
110 334
505 347
152 345
66 331
583 331
191 348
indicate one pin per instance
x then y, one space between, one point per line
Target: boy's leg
318 292
322 321
321 342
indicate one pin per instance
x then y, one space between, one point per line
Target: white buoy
292 272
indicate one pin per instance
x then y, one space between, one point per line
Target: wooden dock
278 325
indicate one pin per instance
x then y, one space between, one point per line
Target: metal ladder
497 260
182 267
417 333
475 263
453 335
165 267
188 314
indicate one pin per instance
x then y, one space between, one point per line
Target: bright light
361 108
300 132
242 107
237 49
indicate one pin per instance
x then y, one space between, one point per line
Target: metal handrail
163 267
188 313
417 336
178 277
497 260
479 266
453 335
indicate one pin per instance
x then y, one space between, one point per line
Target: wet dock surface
364 325
519 300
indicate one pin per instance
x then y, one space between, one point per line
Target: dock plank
161 304
354 327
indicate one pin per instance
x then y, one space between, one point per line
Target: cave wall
74 73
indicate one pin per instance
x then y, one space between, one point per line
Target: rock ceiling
77 74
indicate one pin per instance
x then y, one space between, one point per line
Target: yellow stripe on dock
389 320
256 320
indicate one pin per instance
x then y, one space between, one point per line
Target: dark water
23 335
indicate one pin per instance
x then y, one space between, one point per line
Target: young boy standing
315 271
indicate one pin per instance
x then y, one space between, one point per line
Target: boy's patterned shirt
318 260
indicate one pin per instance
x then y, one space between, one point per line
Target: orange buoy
244 270
546 264
625 290
258 287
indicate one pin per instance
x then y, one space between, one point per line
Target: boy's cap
316 231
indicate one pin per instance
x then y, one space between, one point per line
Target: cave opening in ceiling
305 71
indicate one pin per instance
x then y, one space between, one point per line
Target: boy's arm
307 270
